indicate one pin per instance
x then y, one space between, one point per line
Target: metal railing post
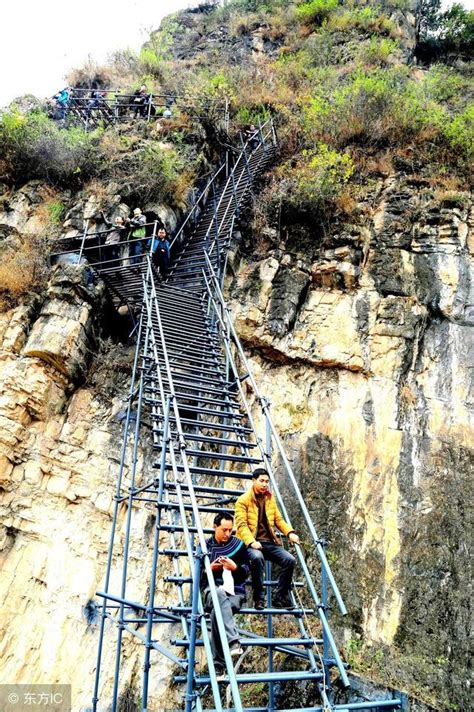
268 436
195 618
156 539
230 329
152 239
84 235
324 597
182 446
271 688
244 151
123 453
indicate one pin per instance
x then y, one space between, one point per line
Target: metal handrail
202 195
204 554
231 179
266 458
266 412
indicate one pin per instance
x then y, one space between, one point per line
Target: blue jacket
62 97
160 245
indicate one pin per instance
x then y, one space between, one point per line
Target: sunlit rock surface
371 386
59 456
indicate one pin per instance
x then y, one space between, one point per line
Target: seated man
230 568
256 515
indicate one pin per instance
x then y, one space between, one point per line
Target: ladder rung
211 401
205 490
209 471
224 456
261 642
213 426
184 610
258 677
197 437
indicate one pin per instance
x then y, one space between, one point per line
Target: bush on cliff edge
32 147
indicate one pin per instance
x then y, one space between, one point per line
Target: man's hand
229 564
294 538
216 565
255 545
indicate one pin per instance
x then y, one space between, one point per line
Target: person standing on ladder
230 568
256 517
161 251
138 223
116 235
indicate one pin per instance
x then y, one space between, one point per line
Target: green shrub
154 171
446 85
459 132
368 18
33 146
150 63
315 11
316 180
56 210
379 50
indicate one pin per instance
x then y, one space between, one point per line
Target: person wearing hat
137 223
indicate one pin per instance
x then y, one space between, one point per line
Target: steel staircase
189 394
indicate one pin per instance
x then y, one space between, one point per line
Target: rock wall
59 455
362 341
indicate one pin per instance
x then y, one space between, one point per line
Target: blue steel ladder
189 392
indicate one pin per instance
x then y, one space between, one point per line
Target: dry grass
23 268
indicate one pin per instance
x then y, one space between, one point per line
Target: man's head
223 525
162 233
137 212
119 220
260 481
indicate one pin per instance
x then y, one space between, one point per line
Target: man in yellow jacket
256 517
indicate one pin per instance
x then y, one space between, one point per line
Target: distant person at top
251 135
137 223
62 100
161 251
96 101
141 99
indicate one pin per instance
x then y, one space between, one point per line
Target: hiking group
125 242
101 103
234 558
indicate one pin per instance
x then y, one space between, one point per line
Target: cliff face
59 454
360 336
362 341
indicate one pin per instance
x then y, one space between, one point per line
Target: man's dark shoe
283 602
220 672
259 604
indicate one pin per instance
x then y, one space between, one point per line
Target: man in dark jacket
230 568
161 251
